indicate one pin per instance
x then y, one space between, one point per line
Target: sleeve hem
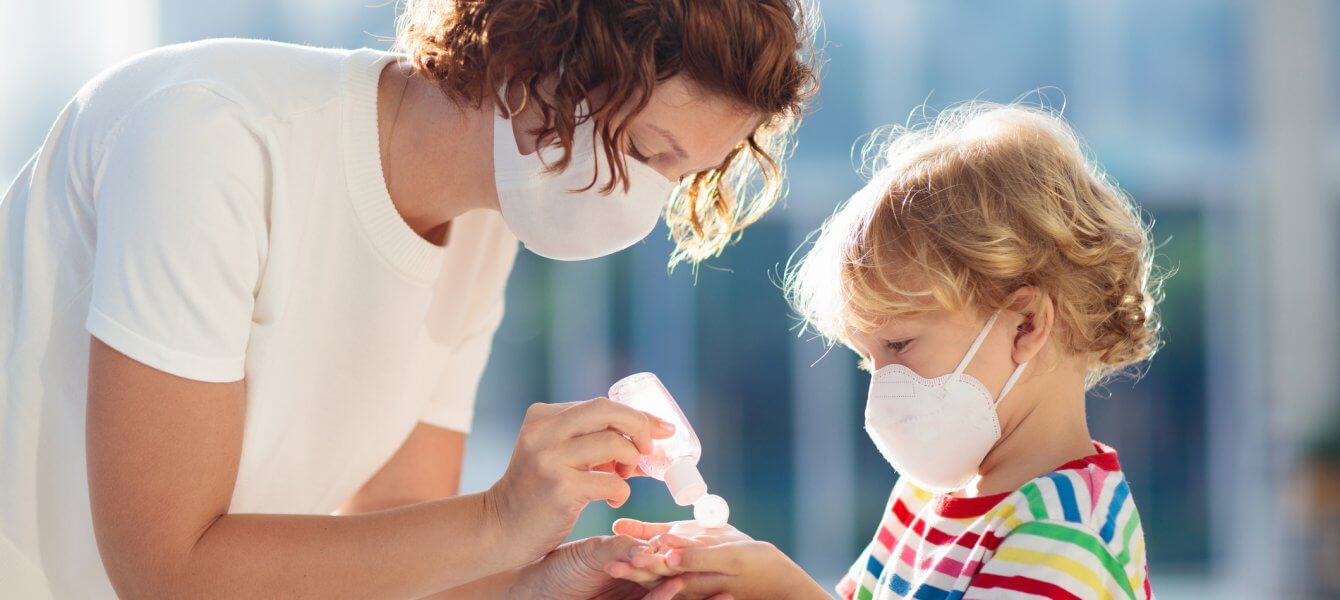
447 417
175 362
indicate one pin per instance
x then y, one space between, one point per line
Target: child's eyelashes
897 345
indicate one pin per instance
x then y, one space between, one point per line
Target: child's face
933 344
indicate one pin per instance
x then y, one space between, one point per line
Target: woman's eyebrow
674 144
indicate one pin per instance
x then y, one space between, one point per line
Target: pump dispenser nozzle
684 481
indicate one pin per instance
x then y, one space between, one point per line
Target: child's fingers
640 530
725 559
670 540
623 570
654 563
722 596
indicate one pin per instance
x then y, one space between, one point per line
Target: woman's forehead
707 127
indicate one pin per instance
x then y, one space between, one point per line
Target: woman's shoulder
481 251
264 79
482 235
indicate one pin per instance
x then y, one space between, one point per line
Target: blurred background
1219 116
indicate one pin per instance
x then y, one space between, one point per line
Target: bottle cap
685 482
711 511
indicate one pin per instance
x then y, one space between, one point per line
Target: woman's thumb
600 551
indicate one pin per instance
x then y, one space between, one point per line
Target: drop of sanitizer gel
673 460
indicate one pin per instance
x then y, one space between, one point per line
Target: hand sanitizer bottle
674 460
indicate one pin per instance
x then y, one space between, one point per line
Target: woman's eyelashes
636 153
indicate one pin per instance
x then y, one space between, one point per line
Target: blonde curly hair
967 208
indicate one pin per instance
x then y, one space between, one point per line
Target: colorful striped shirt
1072 533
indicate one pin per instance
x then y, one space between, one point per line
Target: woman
251 283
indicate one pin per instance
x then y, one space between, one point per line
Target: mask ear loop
972 350
1009 383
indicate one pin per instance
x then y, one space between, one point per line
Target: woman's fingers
595 449
602 413
604 486
597 552
620 469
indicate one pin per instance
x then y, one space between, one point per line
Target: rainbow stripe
1072 533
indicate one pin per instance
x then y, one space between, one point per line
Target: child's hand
719 563
661 537
678 533
737 569
650 566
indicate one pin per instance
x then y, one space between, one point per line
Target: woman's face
684 131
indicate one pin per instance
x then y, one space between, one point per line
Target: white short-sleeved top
217 210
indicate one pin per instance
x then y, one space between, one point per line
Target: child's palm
712 563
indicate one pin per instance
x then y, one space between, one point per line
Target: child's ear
1033 315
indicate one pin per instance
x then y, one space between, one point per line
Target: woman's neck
437 155
1049 430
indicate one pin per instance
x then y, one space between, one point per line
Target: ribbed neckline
394 238
1104 458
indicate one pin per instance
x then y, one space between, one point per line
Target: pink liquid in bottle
673 460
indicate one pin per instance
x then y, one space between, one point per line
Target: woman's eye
636 154
897 345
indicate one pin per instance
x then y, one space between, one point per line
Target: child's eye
897 345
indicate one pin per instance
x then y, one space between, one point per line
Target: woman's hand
573 572
552 475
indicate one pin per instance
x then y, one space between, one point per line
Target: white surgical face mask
935 432
554 221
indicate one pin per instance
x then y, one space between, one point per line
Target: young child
987 276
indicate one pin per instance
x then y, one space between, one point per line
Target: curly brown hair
757 53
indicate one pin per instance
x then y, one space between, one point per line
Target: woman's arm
426 467
163 456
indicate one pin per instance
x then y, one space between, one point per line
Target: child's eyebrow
893 331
